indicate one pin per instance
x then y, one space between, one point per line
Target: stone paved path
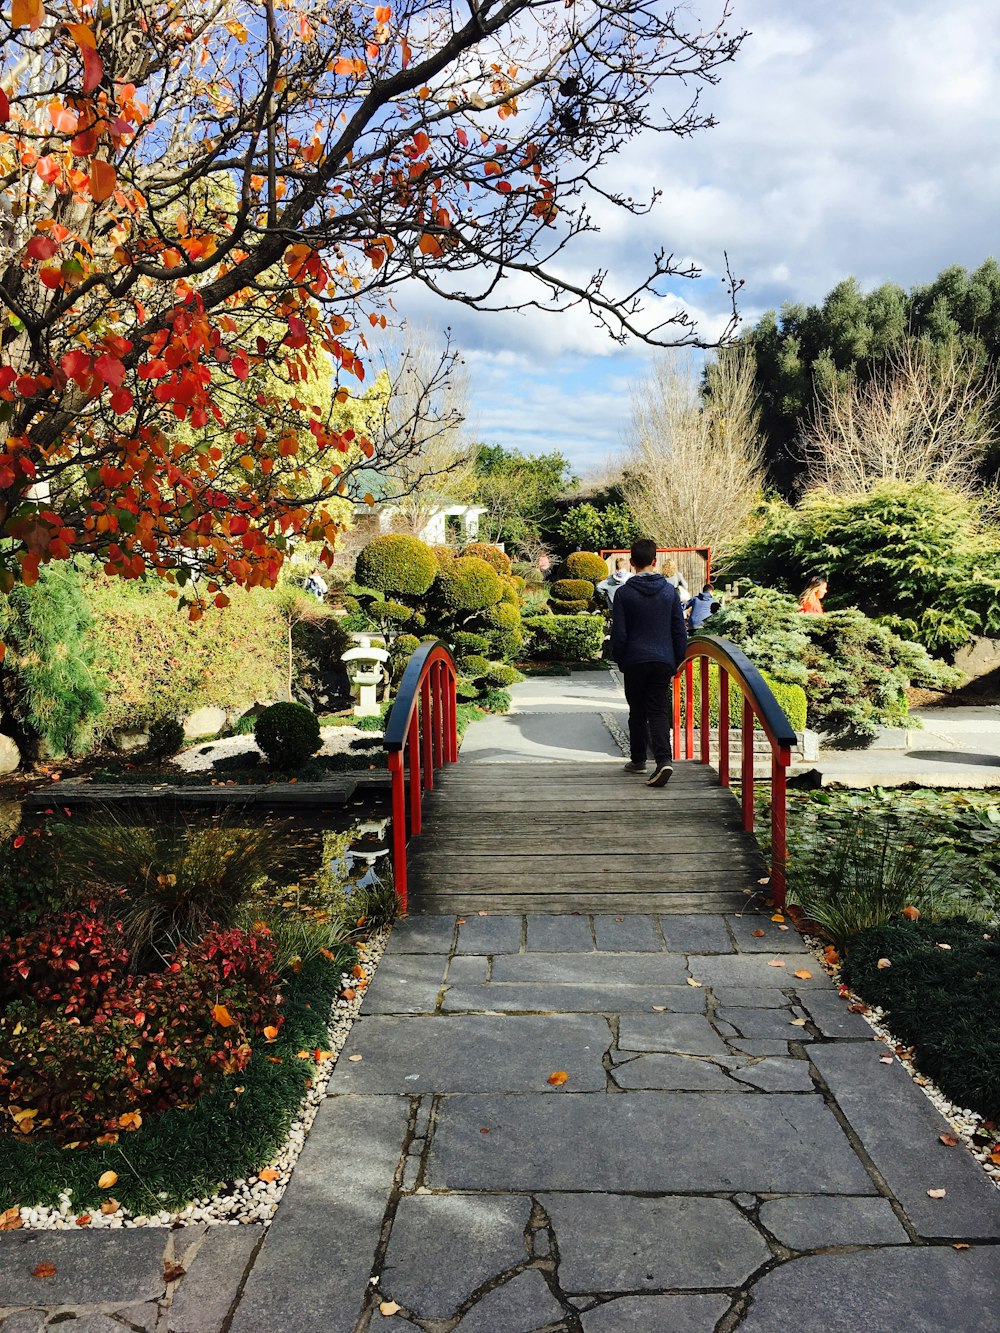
724 1155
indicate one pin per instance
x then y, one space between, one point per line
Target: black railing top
753 684
397 724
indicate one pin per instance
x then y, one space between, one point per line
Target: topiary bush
500 561
444 555
397 563
465 643
565 638
402 650
474 666
586 565
166 737
572 590
495 701
500 675
571 608
468 584
288 734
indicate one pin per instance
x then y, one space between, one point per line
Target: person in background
614 581
648 642
544 567
701 606
811 601
676 580
316 584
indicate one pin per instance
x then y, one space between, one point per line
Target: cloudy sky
859 137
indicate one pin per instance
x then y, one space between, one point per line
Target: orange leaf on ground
83 1220
44 1270
885 1059
173 1272
388 1307
11 1219
268 1175
130 1120
110 1206
776 962
911 913
949 1140
777 917
222 1016
803 974
558 1078
960 1246
830 956
108 1179
270 1033
357 971
757 934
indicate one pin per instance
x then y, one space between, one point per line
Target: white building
450 525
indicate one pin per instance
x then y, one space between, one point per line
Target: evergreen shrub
572 590
570 608
397 563
468 584
495 701
790 698
500 674
474 666
500 561
565 638
465 643
586 565
288 734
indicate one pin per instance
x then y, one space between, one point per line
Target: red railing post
677 715
747 770
780 759
437 702
451 739
413 748
723 726
706 712
398 826
426 733
689 709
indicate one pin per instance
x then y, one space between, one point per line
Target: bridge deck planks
559 837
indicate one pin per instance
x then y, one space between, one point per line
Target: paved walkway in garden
580 1123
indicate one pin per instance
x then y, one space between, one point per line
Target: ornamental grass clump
869 868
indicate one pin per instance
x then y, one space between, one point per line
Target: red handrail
759 706
420 735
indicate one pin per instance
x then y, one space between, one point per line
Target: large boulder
127 740
10 755
205 721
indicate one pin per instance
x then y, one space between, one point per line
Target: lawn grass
181 1155
942 1001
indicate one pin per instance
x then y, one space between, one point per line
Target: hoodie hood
650 585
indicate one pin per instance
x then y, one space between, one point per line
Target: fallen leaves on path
44 1270
11 1219
355 1058
776 962
269 1175
885 1060
388 1308
558 1078
172 1272
804 974
949 1140
757 934
691 982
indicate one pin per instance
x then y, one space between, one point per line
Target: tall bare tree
926 415
694 468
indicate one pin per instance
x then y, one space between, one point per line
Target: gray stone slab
899 1128
422 934
474 1053
754 970
626 1141
922 1289
592 969
696 934
145 1317
673 1073
208 1291
319 1249
627 934
519 1306
511 997
405 984
773 941
832 1016
490 934
761 1047
95 1323
92 1267
813 1222
617 1242
777 1075
581 738
656 1314
752 997
469 970
442 1249
25 1321
681 1034
769 1023
559 934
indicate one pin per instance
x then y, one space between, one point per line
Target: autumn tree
191 191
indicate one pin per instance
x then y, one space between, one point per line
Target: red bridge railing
759 707
420 736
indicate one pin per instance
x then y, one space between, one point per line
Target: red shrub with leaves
84 1049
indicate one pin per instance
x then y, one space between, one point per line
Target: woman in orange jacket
811 601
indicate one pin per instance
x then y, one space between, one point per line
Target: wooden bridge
540 835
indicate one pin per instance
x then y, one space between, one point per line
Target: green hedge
791 699
565 638
397 563
586 565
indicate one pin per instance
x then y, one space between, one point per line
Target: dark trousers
647 691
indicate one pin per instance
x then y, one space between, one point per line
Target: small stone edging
238 1202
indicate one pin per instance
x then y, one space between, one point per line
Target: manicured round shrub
402 650
574 608
469 584
506 643
396 612
166 736
500 675
474 666
502 616
444 555
491 554
397 563
288 734
465 643
586 565
511 592
572 590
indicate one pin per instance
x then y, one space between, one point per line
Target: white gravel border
239 1202
200 758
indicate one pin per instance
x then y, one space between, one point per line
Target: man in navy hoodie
648 641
